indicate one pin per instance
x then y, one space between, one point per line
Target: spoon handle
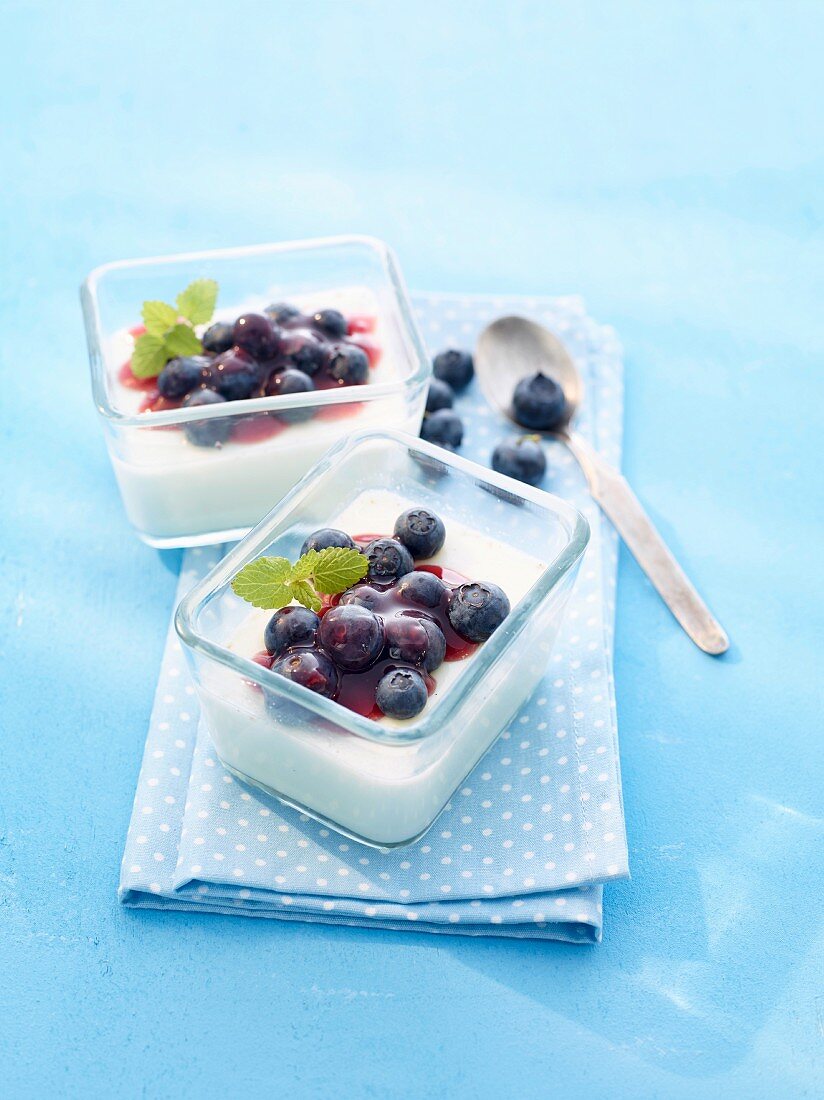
611 490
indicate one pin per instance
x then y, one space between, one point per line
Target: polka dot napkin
525 844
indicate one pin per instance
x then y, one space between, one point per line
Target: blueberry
304 350
291 626
401 693
421 532
181 376
283 314
421 588
538 402
388 559
443 427
455 367
523 459
325 537
206 433
352 636
363 595
291 381
477 609
218 338
311 668
415 641
330 322
439 396
348 365
255 333
234 374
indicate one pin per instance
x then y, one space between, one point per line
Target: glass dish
179 494
382 784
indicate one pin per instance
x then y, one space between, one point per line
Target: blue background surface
663 159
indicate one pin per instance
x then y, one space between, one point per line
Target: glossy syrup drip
357 689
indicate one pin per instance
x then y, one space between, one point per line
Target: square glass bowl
383 783
179 494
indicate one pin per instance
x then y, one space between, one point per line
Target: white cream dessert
173 489
379 788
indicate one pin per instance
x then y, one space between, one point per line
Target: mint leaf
197 301
304 593
272 582
181 340
337 568
149 356
264 583
158 317
304 567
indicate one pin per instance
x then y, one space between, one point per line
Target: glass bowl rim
427 725
372 391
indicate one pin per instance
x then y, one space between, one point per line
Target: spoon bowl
512 348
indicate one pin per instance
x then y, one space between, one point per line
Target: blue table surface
665 161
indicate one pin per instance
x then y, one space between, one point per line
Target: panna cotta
392 647
290 690
248 365
222 474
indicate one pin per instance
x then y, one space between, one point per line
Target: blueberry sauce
265 426
357 690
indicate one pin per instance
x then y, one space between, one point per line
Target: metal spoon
512 348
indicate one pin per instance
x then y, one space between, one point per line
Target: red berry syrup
255 429
131 381
361 323
373 350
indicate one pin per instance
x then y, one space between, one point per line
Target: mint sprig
270 583
197 302
170 329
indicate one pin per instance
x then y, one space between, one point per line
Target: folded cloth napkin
526 842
